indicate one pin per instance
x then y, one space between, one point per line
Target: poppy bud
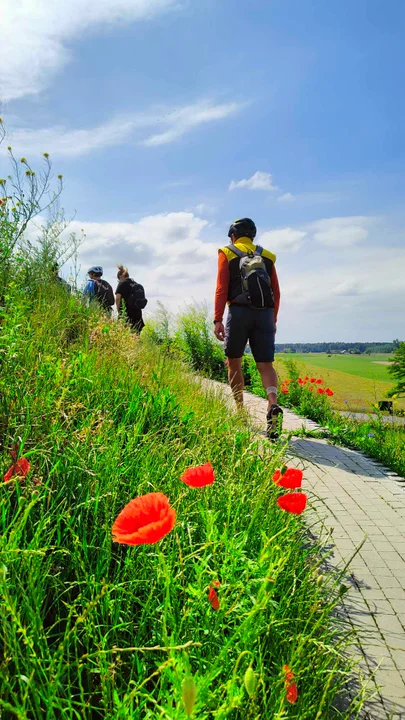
189 694
320 579
250 682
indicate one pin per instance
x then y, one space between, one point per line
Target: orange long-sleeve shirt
221 292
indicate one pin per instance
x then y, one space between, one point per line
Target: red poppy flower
320 391
300 381
284 390
199 476
212 595
19 469
290 685
329 392
319 381
293 502
145 520
306 378
313 380
291 479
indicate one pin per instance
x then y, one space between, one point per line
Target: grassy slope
357 384
91 629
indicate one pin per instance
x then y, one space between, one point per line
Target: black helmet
242 227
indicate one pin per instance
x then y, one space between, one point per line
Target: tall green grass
92 629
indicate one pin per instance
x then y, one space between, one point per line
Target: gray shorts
243 324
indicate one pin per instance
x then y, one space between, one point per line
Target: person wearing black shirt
130 299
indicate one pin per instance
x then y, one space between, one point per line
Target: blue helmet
96 269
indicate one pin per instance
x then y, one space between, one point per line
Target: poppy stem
165 574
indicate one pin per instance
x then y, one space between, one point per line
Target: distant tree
397 370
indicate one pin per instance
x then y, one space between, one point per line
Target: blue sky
169 118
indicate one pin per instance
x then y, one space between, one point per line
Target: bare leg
236 379
269 379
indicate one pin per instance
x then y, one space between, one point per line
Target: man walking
247 281
99 289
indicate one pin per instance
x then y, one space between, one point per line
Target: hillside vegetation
91 628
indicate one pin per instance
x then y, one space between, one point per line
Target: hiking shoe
274 422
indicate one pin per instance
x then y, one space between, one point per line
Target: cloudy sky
170 118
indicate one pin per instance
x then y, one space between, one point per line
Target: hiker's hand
219 331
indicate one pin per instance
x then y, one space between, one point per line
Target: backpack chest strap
241 253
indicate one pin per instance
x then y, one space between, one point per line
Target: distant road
395 420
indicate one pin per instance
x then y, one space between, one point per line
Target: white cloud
59 141
286 197
367 276
204 209
341 232
258 181
283 239
347 288
185 119
35 35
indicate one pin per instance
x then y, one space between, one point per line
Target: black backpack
104 293
136 301
256 283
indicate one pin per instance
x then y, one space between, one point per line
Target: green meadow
95 629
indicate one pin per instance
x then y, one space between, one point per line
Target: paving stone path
358 501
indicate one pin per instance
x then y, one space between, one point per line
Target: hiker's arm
221 292
118 301
276 292
221 296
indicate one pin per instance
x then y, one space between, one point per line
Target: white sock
271 389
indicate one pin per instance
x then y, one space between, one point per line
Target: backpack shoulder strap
236 250
259 250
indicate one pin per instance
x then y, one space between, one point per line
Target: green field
372 367
358 381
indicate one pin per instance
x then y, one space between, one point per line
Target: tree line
357 348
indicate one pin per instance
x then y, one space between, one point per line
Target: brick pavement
358 501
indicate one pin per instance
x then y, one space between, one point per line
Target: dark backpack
255 280
104 293
136 301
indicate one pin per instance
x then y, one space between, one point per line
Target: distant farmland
358 381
